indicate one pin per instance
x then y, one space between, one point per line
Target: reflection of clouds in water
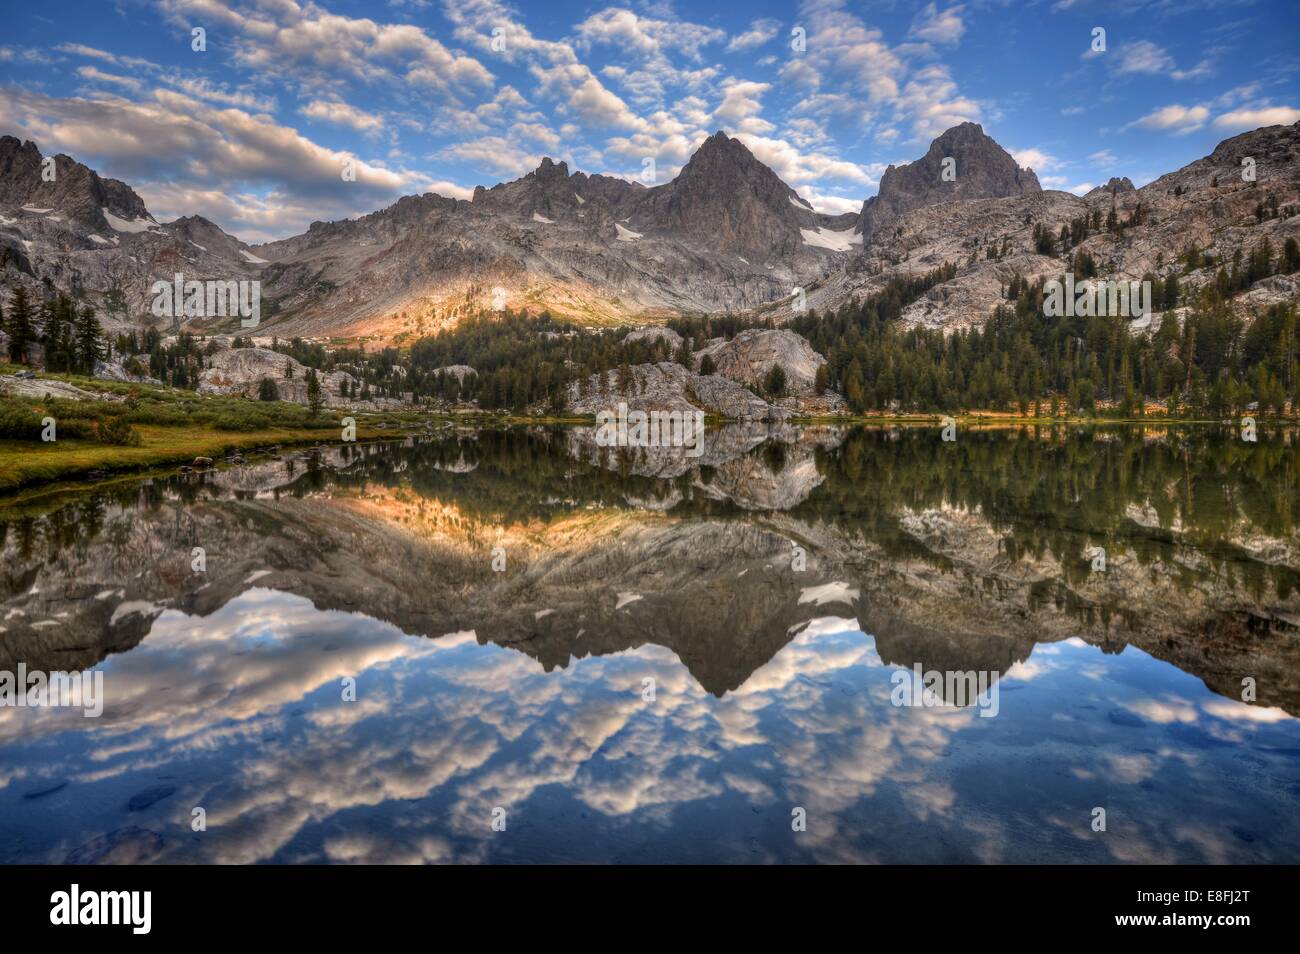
1164 711
1229 709
445 729
259 651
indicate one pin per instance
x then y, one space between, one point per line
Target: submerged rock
150 796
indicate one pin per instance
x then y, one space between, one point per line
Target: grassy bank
135 428
25 463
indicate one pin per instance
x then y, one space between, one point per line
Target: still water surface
768 593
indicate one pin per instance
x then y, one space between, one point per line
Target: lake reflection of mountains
957 555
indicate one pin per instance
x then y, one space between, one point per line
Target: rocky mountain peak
724 192
1113 186
547 191
75 190
549 169
981 169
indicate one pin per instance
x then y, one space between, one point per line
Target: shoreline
31 470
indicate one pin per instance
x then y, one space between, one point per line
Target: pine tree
18 326
88 344
313 392
774 383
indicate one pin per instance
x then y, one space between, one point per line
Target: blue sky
441 95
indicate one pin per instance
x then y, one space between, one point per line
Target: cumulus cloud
1243 119
939 26
759 32
934 105
496 154
740 107
1174 118
1035 159
283 180
798 168
338 112
313 47
645 36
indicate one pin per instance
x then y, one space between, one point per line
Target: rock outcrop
1114 186
459 371
751 355
241 371
668 387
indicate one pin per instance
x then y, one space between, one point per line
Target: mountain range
726 235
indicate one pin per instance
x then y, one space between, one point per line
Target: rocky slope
95 235
1205 204
725 235
66 187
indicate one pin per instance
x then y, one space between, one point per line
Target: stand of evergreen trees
71 337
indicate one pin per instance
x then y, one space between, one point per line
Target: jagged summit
76 191
725 193
982 169
1113 186
725 235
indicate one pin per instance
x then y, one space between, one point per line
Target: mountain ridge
726 235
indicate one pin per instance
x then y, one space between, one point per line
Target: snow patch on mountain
831 239
128 225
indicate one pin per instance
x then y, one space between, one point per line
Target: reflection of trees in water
1047 490
1055 490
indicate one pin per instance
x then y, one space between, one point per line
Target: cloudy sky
254 130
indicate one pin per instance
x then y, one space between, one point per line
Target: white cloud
1245 119
313 46
496 153
1035 159
172 147
539 133
1142 56
646 36
798 168
581 94
938 26
759 32
1174 118
740 107
342 114
933 103
95 75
